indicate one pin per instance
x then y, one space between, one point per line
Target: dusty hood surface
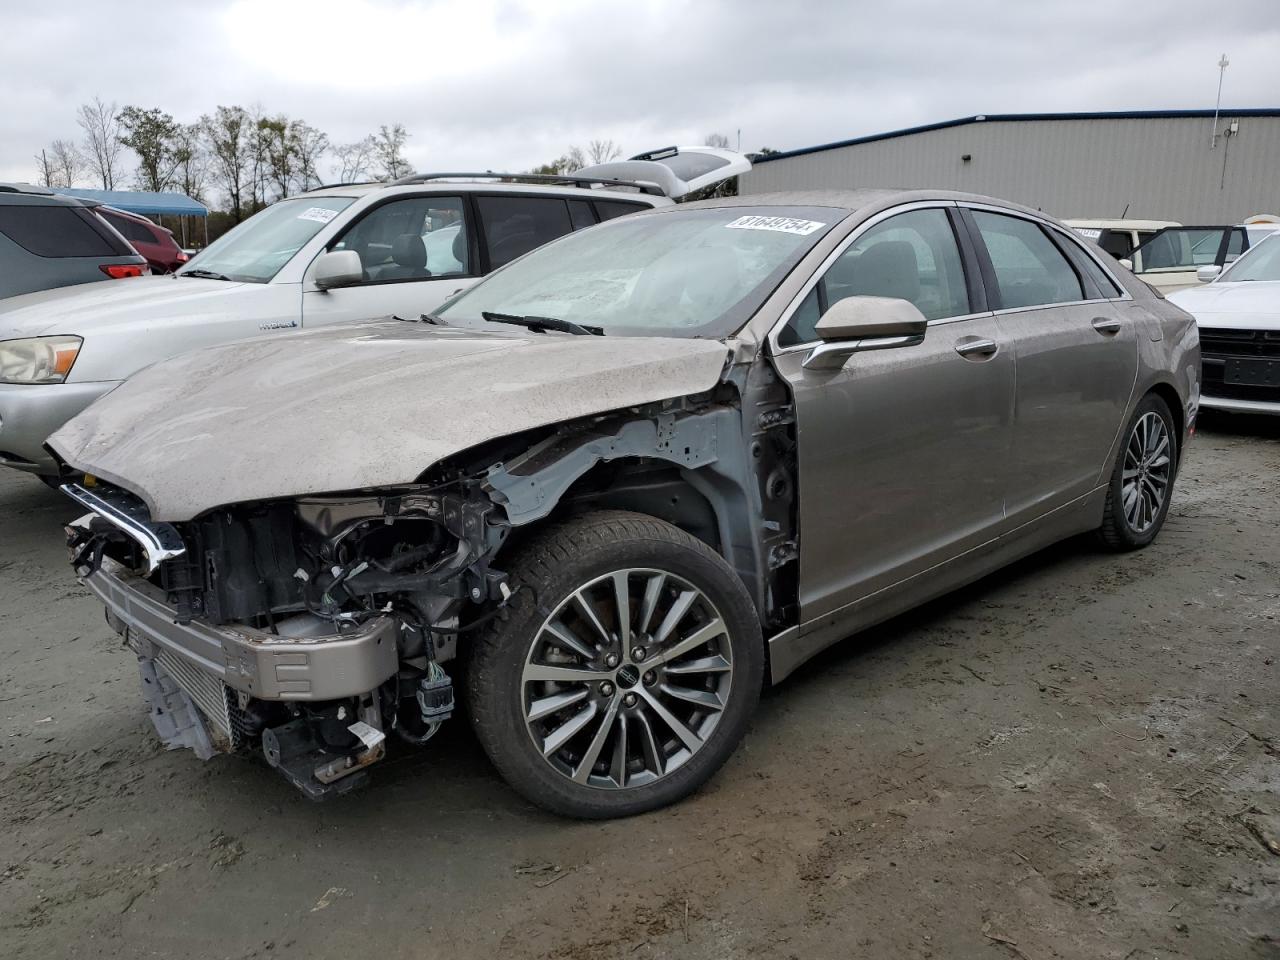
356 406
92 307
1248 305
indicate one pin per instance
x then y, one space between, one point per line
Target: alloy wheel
1144 478
627 679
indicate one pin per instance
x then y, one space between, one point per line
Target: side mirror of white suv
338 268
1208 273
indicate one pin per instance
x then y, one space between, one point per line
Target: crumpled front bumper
259 664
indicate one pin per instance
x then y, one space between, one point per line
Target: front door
1076 360
902 452
416 253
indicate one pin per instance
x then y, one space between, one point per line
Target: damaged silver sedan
610 490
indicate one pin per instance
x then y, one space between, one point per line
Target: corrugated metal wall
1161 168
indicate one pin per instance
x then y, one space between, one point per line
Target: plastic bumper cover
29 412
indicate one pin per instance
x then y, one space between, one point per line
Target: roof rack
643 186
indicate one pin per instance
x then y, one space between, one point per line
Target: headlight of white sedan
38 359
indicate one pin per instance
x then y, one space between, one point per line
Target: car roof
454 187
29 194
859 201
1119 223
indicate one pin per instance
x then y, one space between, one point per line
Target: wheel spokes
603 712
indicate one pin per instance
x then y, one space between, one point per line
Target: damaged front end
309 629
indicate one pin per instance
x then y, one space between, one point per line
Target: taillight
181 257
118 271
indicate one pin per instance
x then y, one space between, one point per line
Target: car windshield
1260 263
685 273
257 249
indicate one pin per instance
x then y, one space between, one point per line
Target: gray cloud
501 84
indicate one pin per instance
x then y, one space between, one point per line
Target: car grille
1216 345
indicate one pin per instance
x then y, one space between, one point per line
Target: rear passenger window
49 231
1030 270
515 225
580 214
608 209
1106 286
130 229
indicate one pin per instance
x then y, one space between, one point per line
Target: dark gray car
48 241
620 482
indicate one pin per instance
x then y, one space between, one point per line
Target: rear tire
1142 479
593 713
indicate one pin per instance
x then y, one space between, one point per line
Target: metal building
1159 165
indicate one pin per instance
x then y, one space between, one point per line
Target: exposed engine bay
315 628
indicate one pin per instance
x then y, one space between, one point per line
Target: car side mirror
1126 263
1208 272
338 268
855 324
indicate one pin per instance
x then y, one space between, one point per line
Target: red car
153 241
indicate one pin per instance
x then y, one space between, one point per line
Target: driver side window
417 238
912 256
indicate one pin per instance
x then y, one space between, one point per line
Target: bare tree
355 160
227 132
46 173
717 140
191 162
388 151
68 162
101 125
309 145
602 151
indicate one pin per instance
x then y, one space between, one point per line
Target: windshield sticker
778 224
319 214
1088 232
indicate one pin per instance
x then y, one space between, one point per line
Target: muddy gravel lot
1079 757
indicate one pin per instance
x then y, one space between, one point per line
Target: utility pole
1222 71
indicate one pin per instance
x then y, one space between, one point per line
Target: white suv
341 253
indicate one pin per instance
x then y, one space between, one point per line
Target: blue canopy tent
146 203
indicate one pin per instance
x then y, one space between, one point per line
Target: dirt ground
1079 757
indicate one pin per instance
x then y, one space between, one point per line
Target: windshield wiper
205 274
543 324
430 318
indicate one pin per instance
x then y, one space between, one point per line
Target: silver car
620 483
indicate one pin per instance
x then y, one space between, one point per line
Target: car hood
356 407
93 307
1252 304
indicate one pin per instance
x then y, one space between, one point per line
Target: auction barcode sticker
321 214
778 224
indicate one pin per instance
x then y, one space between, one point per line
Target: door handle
1106 325
978 348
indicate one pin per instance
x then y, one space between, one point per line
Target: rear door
902 452
677 171
1075 353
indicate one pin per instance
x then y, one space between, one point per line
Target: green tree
150 133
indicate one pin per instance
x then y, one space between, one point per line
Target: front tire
626 673
1142 480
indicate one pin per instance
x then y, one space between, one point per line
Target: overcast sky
492 84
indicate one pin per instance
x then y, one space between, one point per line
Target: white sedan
1238 312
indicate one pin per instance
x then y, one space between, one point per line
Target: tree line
250 156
